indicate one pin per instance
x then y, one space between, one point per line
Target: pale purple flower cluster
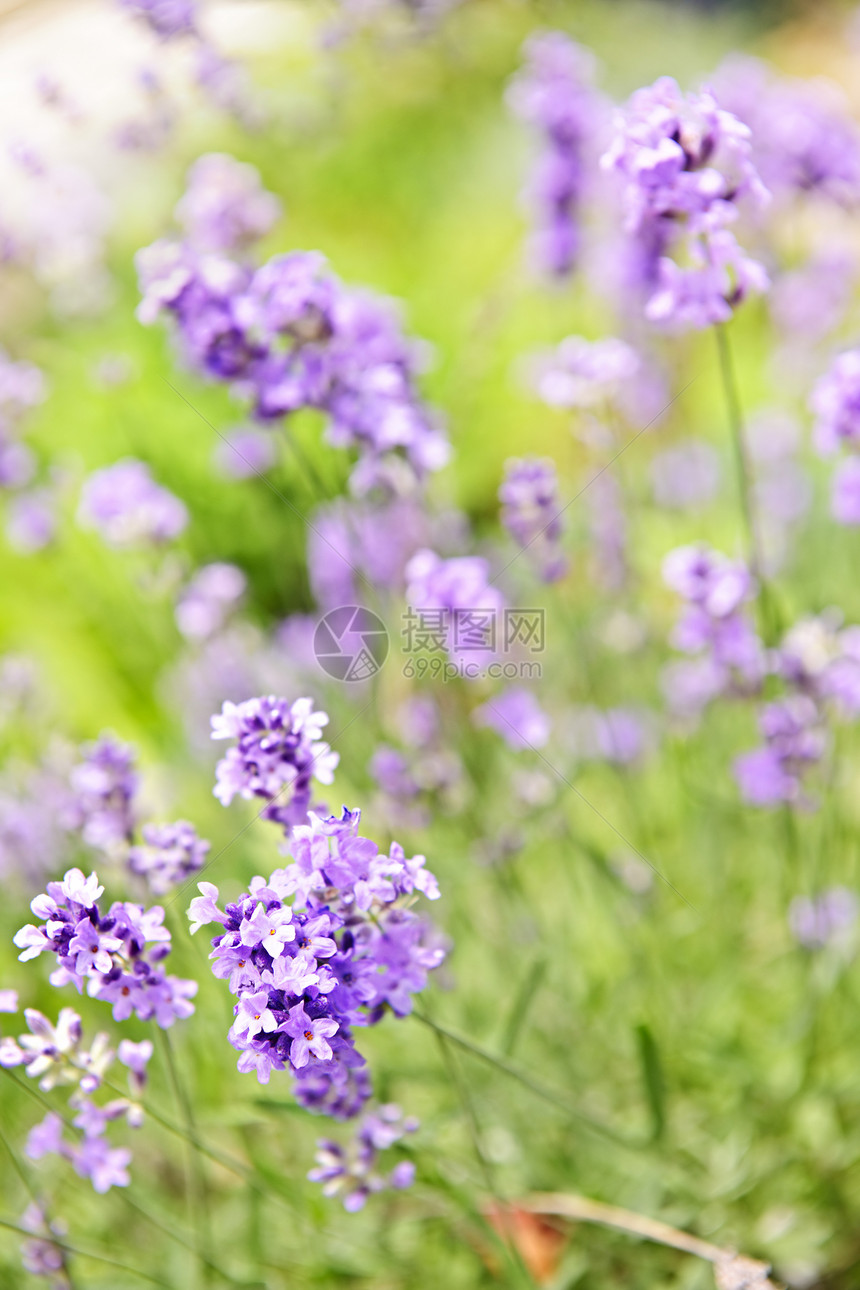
713 627
290 335
55 1056
225 207
804 137
589 374
352 1172
685 164
835 401
622 736
168 855
516 715
554 93
828 919
794 740
346 950
166 18
125 505
43 1255
457 598
278 753
208 599
532 515
107 950
103 787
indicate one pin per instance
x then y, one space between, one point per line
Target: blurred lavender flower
817 922
554 93
795 740
809 302
531 513
516 715
352 1172
170 853
685 164
225 207
580 373
206 602
621 736
166 18
686 475
278 748
42 1256
125 506
31 522
104 785
804 139
356 544
835 402
713 623
461 594
245 452
607 523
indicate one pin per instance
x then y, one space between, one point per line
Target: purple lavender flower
531 512
31 523
17 463
42 1256
580 373
685 164
347 538
804 138
22 387
352 1173
459 594
104 785
794 741
347 949
125 506
516 715
835 401
554 94
166 18
84 939
207 600
245 452
278 748
809 302
225 207
170 853
817 922
713 623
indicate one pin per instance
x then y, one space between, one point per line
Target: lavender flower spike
277 755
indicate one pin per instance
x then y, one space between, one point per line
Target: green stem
745 477
40 1205
197 1197
540 1090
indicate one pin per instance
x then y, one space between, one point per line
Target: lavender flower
817 922
458 596
793 742
166 18
31 523
685 163
835 402
343 953
245 452
225 208
206 602
278 748
580 373
107 950
516 715
289 335
126 507
531 512
104 785
713 624
170 854
352 1172
554 94
43 1256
